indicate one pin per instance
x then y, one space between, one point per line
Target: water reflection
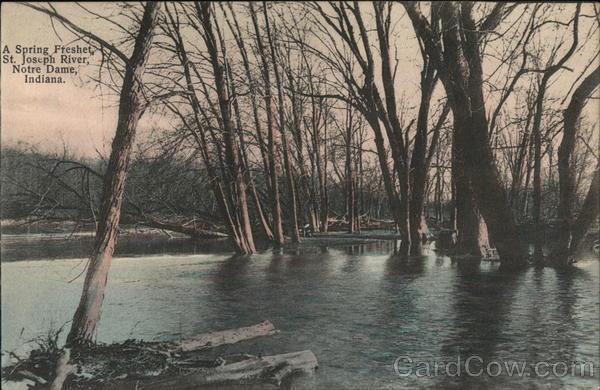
358 307
481 306
401 266
20 247
231 274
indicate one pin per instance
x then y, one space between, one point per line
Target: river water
358 308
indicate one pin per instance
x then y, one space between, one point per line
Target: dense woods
277 125
280 118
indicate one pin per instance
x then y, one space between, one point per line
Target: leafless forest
474 121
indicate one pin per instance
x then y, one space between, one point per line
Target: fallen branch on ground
272 369
214 339
154 365
188 229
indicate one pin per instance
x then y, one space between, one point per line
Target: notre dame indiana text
46 64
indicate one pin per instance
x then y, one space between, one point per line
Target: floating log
271 369
214 339
188 229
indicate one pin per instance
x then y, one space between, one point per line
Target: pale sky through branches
81 115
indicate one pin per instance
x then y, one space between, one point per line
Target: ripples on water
357 307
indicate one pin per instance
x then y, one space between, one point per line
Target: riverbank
59 240
25 226
136 364
65 240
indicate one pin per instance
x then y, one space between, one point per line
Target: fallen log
188 229
271 369
214 339
157 357
181 364
31 376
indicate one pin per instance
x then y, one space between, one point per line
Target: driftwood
158 358
214 339
30 375
180 364
184 228
272 369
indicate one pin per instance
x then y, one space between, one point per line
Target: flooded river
371 318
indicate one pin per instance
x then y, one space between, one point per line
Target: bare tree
537 138
271 142
132 105
572 231
293 224
459 64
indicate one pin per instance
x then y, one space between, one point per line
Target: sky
83 119
49 115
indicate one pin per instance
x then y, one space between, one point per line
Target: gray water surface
358 308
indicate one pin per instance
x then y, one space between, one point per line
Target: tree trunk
587 216
389 116
459 65
271 150
244 244
517 173
303 180
131 108
550 70
293 224
489 194
472 234
538 238
438 190
223 197
350 194
264 223
565 166
418 164
322 173
421 157
63 369
253 103
388 182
